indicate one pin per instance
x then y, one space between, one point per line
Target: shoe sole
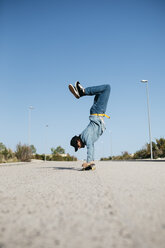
73 91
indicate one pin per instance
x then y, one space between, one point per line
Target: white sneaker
80 89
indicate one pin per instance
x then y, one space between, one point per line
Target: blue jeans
101 93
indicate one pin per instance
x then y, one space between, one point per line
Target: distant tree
70 158
148 150
10 154
23 153
33 149
40 156
57 157
5 152
145 152
161 147
140 154
57 150
126 156
2 147
105 159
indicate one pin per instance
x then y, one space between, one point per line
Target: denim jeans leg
101 93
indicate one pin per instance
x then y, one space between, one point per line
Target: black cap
73 142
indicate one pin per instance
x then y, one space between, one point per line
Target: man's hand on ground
85 164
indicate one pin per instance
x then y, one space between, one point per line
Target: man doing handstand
96 126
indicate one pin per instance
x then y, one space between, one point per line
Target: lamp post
149 123
46 140
29 131
110 132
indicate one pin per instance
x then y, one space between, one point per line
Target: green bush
57 157
70 158
39 156
1 158
23 153
6 155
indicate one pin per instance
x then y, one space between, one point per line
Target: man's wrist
85 164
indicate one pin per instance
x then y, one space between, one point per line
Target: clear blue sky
45 45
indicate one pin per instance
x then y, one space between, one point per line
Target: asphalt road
53 204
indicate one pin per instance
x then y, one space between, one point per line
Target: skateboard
90 167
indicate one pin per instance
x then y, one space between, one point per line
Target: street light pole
110 132
29 131
149 123
45 140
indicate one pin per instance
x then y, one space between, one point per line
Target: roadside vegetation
25 153
158 148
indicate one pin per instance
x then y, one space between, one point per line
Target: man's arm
90 155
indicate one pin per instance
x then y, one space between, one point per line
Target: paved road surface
52 204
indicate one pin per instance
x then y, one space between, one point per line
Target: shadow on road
61 168
65 168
